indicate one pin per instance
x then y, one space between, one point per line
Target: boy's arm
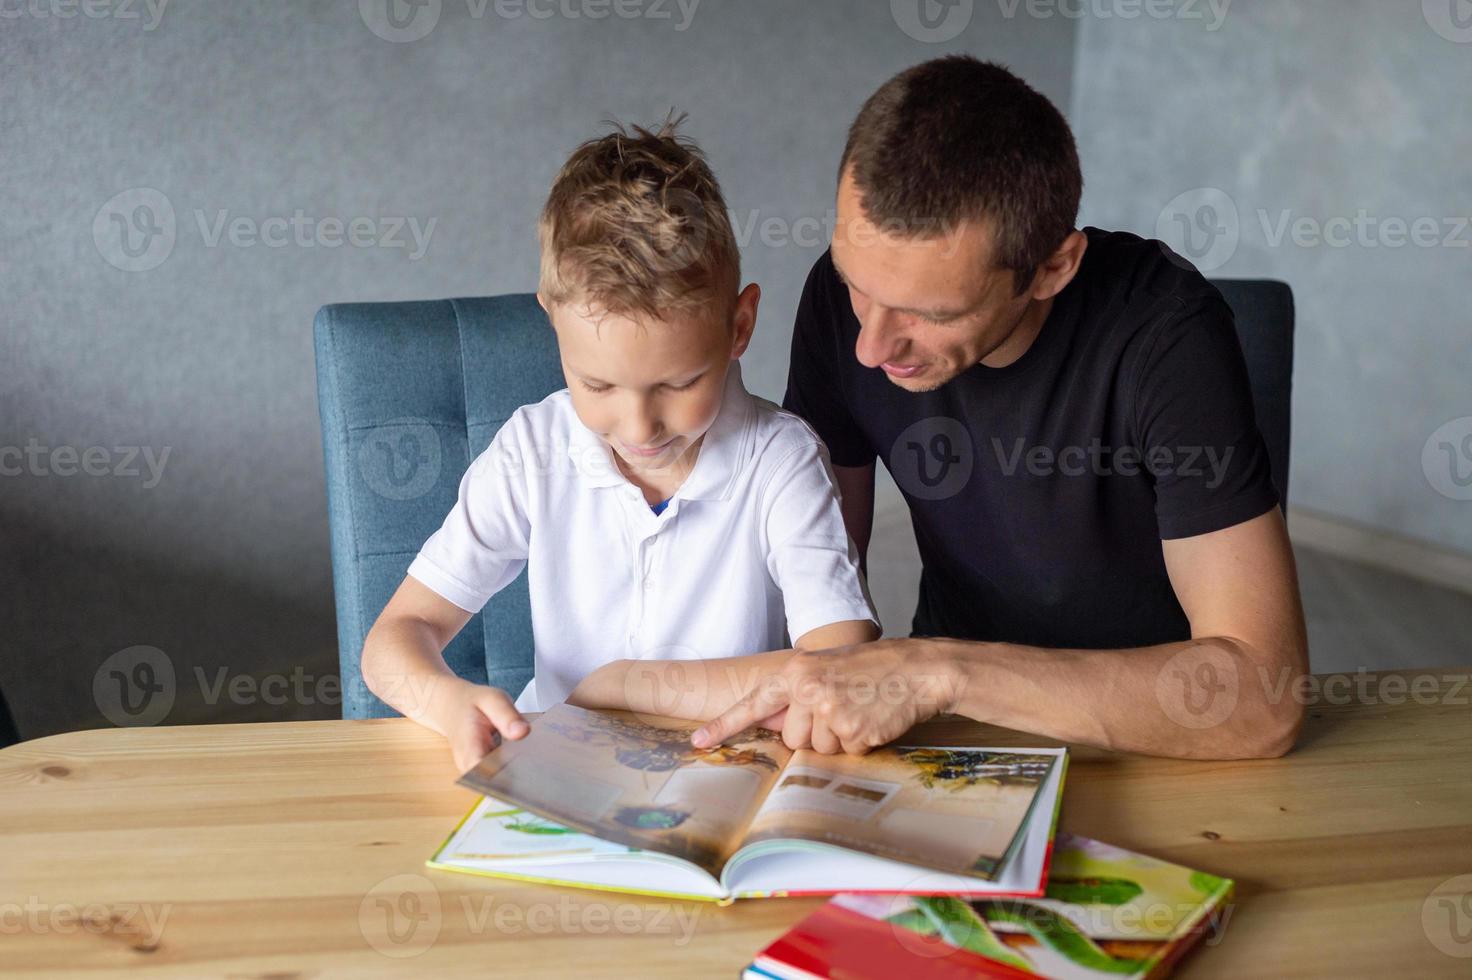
702 689
403 664
845 634
694 689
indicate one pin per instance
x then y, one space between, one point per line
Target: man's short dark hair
957 138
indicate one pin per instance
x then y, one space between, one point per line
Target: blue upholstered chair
410 393
1264 313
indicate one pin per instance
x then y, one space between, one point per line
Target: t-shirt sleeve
1197 431
809 554
814 389
482 545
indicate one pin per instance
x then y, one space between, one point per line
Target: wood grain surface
296 850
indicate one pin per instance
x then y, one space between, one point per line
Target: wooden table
297 850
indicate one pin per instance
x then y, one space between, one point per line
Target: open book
609 799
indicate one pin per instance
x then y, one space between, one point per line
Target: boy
663 513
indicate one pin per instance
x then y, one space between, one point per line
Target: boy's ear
743 318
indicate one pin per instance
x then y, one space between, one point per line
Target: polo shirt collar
716 467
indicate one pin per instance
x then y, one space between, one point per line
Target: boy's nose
641 429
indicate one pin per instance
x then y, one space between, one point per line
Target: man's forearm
1208 698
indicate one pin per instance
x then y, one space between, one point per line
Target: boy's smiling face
650 388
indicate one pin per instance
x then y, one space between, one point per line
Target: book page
636 780
957 810
501 832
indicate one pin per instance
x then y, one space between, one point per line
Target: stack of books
938 856
1107 912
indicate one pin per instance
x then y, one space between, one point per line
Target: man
1069 417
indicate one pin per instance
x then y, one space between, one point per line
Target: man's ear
1059 268
743 318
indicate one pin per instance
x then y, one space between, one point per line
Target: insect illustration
651 817
649 748
958 769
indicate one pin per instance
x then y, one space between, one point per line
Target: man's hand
851 699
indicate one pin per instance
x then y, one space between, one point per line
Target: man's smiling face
929 308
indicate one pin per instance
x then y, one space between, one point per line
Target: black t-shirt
1040 491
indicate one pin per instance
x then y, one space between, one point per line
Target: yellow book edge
438 865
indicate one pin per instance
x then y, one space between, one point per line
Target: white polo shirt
750 551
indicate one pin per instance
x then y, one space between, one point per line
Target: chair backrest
409 394
8 734
1264 314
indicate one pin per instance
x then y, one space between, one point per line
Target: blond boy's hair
635 225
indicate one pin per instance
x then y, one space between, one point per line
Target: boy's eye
596 389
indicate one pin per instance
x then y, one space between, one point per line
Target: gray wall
1302 113
258 109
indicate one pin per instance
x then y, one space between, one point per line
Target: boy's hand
473 717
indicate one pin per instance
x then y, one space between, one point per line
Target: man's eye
686 386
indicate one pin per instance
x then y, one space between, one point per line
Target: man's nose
879 339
